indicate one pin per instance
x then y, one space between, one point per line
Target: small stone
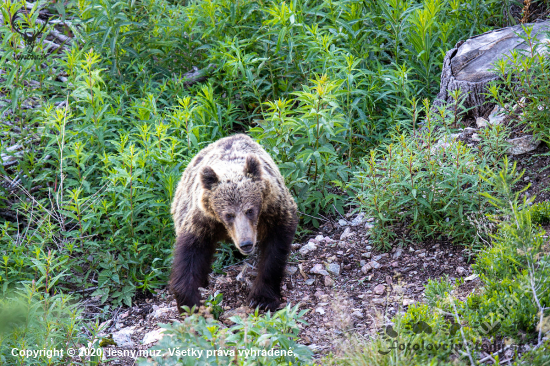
320 310
368 226
329 282
342 222
379 290
368 247
160 312
310 281
496 116
366 255
421 255
310 247
346 234
334 269
318 269
291 270
370 219
358 219
471 278
367 267
475 137
407 302
362 262
460 270
357 314
320 238
411 249
481 122
523 144
394 264
152 336
123 338
378 300
375 264
397 253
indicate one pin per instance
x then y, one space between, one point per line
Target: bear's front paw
264 302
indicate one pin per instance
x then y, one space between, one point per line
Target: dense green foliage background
104 127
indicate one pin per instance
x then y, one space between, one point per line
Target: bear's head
235 200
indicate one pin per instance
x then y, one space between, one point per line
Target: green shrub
540 213
269 339
427 184
31 319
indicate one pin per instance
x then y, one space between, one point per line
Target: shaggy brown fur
232 189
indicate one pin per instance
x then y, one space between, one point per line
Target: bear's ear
252 167
208 178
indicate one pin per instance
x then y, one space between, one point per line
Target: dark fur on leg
192 262
266 291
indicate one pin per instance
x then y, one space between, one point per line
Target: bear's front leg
192 260
266 291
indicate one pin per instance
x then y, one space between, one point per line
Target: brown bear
232 189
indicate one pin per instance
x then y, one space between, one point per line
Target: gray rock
334 269
358 219
309 247
318 269
123 338
461 271
367 267
329 281
375 264
379 290
366 255
497 116
481 122
357 314
152 336
342 222
320 238
397 253
523 144
310 281
346 234
291 270
362 262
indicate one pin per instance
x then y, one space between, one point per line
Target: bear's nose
247 246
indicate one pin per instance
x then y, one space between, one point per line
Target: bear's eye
249 212
229 217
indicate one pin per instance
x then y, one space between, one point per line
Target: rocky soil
347 285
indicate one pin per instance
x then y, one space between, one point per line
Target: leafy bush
428 183
540 213
269 339
33 320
